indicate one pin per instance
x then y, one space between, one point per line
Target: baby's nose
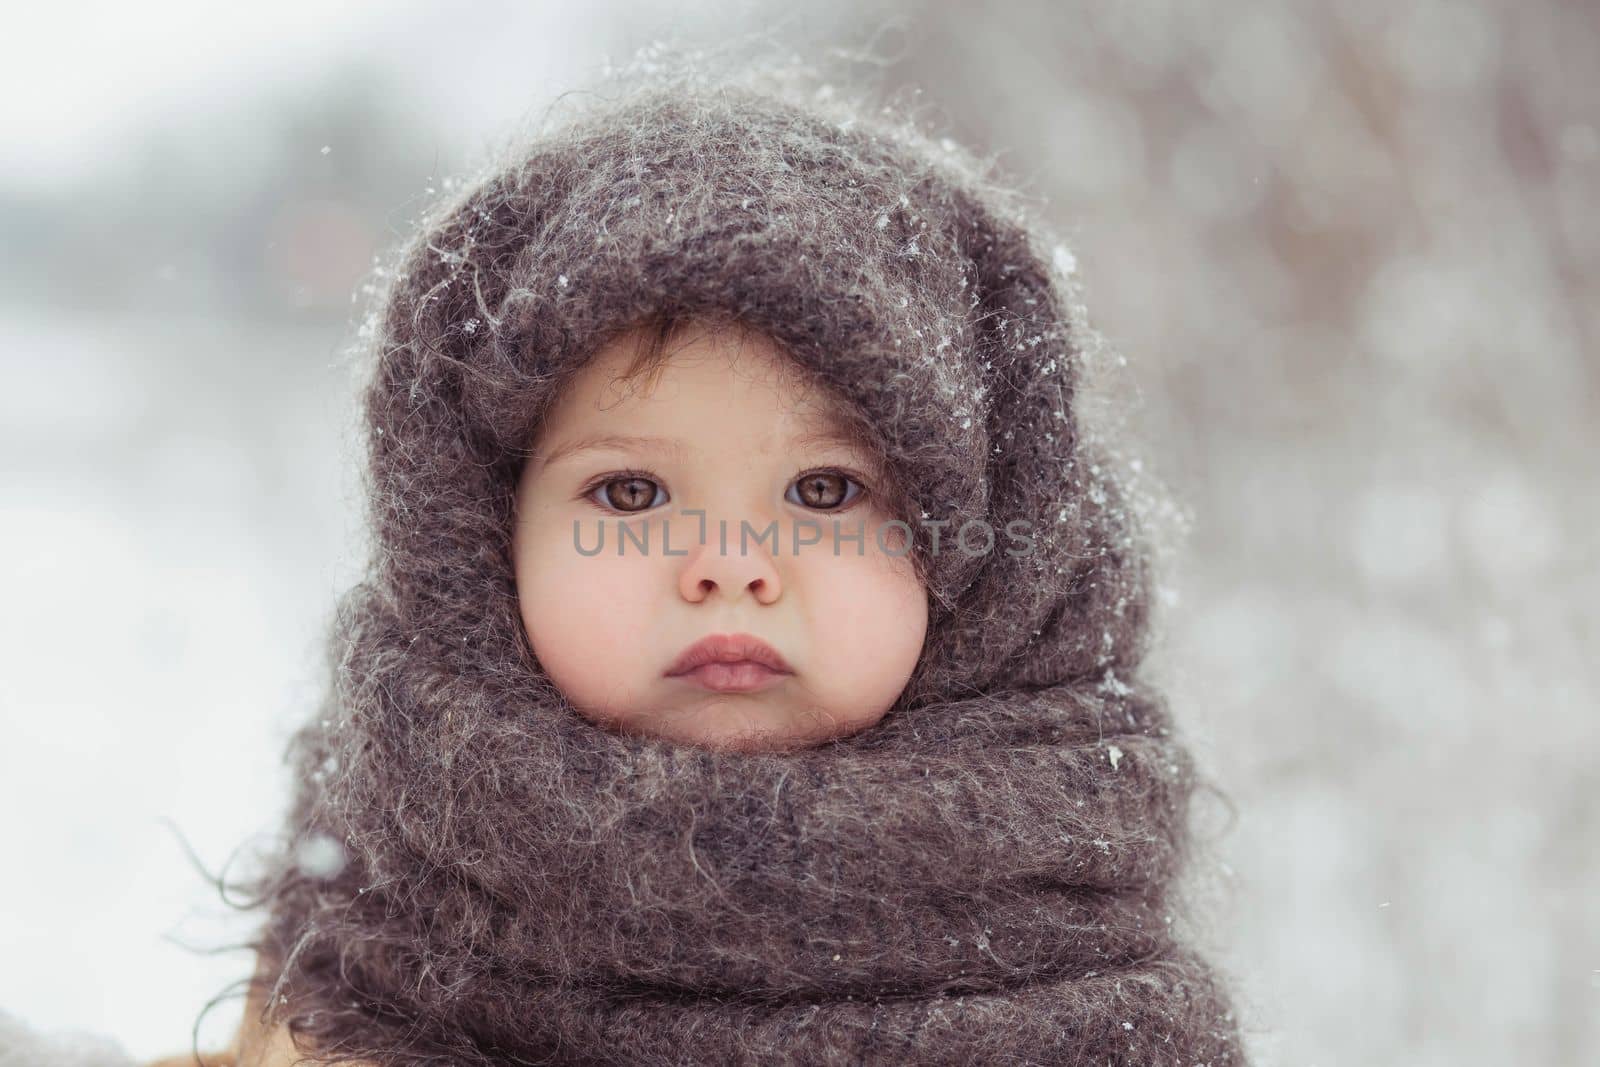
730 568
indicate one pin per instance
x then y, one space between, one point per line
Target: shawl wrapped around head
476 874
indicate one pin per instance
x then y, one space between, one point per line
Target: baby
748 668
806 627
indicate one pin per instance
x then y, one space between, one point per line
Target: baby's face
723 426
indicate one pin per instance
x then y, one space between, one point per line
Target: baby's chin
748 722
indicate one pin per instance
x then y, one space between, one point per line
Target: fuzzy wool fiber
984 876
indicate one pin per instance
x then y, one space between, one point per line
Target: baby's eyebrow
825 435
829 435
844 437
611 440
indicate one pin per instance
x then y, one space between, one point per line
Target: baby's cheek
583 615
869 616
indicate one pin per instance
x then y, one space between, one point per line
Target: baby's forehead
804 403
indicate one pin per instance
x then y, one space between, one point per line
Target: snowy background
1351 252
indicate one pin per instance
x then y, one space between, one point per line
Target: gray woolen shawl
985 876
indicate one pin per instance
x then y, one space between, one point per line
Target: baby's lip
728 648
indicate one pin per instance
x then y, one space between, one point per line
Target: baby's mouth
742 676
730 663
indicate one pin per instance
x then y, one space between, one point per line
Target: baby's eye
826 490
631 493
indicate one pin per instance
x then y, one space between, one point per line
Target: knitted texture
983 876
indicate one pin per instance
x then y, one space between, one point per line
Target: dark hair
657 331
